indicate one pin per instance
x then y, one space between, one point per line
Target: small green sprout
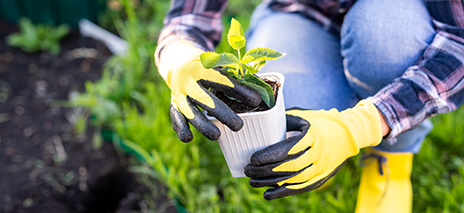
32 38
243 67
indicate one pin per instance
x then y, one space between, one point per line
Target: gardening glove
305 162
189 83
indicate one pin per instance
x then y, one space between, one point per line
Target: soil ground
45 166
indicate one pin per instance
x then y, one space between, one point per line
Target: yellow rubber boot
387 192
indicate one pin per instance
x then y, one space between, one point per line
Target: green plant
243 67
32 38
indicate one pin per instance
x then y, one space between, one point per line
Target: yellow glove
305 162
189 82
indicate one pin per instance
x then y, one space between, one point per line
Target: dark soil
240 107
45 166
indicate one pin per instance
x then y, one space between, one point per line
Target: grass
132 100
438 172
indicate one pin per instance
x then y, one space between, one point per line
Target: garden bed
46 165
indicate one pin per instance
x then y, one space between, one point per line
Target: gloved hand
189 81
305 162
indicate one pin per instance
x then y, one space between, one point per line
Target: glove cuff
364 122
178 54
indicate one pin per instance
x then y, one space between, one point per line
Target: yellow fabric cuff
177 55
364 121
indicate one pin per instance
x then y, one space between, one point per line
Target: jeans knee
381 39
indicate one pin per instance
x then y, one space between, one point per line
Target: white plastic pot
260 130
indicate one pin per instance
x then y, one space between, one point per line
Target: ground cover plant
136 102
38 37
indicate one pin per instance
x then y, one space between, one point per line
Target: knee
381 39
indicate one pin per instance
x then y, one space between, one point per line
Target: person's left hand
305 162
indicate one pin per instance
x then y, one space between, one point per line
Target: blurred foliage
438 172
132 100
32 38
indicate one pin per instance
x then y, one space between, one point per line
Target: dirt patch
44 165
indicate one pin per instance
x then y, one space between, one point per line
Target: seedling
32 38
243 68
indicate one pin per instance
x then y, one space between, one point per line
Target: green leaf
236 35
250 70
260 53
257 65
212 59
53 48
61 31
237 42
232 72
264 89
27 27
32 37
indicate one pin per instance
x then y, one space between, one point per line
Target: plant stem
240 68
239 56
239 71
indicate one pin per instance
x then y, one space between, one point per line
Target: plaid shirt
434 85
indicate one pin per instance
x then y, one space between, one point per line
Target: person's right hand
188 81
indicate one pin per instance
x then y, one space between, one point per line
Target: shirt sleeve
197 21
435 84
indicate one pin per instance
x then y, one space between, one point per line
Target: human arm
435 84
191 20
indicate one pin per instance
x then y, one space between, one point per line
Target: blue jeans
379 40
